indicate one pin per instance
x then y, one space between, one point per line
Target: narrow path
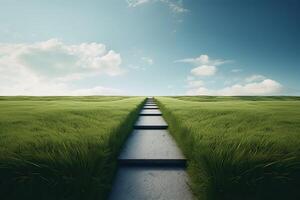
151 166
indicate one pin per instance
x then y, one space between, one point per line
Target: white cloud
264 87
203 60
174 5
43 68
205 66
204 70
147 60
195 86
53 58
98 90
92 56
135 3
54 89
255 78
198 91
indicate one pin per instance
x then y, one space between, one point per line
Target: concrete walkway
151 166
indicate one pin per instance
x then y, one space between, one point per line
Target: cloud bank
204 70
174 5
206 67
262 87
47 67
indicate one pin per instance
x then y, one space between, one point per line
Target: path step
150 104
146 183
151 166
151 147
151 122
150 112
150 107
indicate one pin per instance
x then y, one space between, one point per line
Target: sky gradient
149 47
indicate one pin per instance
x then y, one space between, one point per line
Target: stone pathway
151 166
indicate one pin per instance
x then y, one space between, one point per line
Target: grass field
238 147
61 147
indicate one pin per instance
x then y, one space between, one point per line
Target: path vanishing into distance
151 166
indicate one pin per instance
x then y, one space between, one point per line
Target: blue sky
149 47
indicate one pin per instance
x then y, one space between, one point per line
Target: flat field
238 147
62 147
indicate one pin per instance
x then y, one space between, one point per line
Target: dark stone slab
150 112
150 102
150 165
152 145
150 122
149 183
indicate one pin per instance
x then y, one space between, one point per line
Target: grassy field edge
184 141
79 168
126 128
207 161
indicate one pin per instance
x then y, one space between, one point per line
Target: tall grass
62 148
238 148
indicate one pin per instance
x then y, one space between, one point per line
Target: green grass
237 98
62 147
238 147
